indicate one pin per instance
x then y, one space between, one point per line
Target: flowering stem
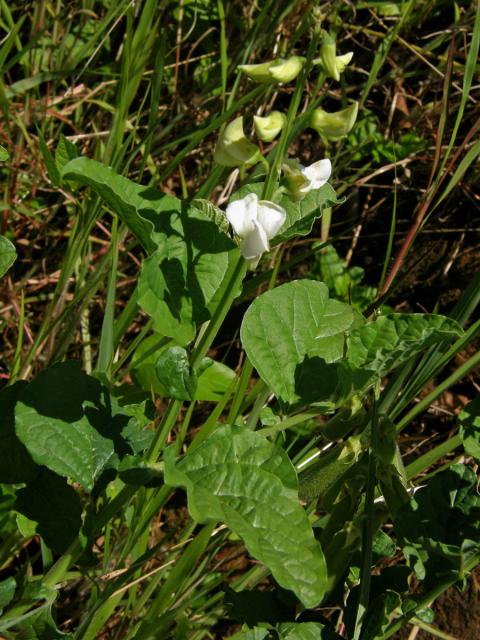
281 148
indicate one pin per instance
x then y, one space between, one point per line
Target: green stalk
171 414
106 348
432 456
281 149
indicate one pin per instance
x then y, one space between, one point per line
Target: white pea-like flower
317 174
301 180
255 222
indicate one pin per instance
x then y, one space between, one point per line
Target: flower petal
318 173
270 217
242 214
254 243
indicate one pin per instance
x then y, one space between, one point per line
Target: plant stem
171 414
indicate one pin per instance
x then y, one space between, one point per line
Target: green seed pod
268 128
334 126
233 149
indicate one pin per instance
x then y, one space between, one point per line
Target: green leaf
257 633
54 506
8 255
383 546
191 257
291 334
41 626
214 378
469 420
175 373
7 591
392 339
52 169
300 214
213 213
135 471
69 423
239 478
440 526
4 155
343 282
305 631
136 205
182 281
17 465
379 613
135 432
65 152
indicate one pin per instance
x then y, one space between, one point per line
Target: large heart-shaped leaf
191 258
242 479
69 423
136 205
392 339
292 334
301 214
8 255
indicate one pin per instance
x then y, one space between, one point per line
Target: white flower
317 174
301 180
255 222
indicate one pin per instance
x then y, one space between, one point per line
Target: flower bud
332 64
233 149
328 53
334 126
279 70
268 128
